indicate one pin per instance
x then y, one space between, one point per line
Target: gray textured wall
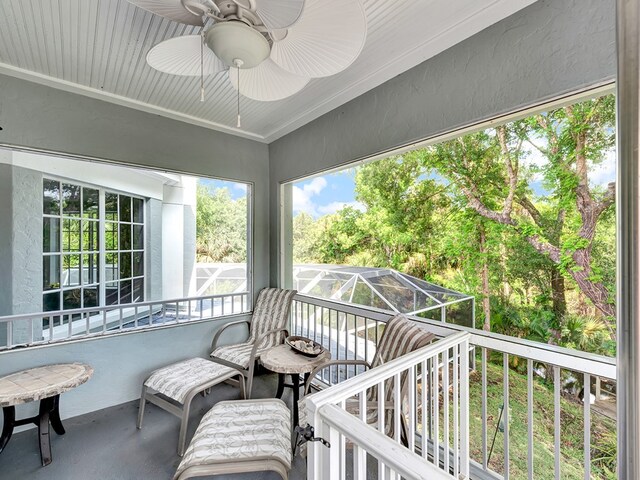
120 363
154 249
6 257
550 48
40 117
26 242
189 234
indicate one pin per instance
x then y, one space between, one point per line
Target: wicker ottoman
180 382
240 436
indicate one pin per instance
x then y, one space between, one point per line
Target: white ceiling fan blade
181 56
267 82
277 14
171 9
327 39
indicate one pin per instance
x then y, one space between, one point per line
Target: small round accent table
285 361
44 384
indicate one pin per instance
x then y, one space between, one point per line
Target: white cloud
302 197
241 187
604 172
333 207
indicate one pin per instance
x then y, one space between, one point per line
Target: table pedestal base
295 385
48 415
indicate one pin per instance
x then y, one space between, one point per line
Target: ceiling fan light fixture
233 40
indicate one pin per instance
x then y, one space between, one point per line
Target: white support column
628 222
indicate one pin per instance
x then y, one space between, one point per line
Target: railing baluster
397 408
334 455
135 317
556 420
411 420
464 406
343 448
456 409
104 321
10 334
424 373
485 461
505 412
445 401
346 342
359 454
435 402
381 420
586 400
366 339
530 419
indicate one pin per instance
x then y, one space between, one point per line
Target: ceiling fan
271 48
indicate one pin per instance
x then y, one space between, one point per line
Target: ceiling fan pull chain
202 66
238 63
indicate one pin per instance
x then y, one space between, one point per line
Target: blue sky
236 189
326 194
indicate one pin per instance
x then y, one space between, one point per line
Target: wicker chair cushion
239 354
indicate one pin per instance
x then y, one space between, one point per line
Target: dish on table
304 345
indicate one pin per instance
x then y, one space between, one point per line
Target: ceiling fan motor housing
233 40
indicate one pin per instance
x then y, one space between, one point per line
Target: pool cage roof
385 289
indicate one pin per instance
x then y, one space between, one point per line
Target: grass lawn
572 451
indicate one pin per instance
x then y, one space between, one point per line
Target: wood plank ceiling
98 48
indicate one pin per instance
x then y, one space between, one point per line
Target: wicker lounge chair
267 328
399 337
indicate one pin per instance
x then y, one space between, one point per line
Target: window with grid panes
124 249
72 270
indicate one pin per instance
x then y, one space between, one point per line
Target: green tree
488 169
221 226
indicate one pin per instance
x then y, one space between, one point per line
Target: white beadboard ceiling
98 48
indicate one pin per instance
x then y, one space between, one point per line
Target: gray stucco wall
550 48
120 362
26 243
6 260
189 233
75 124
154 249
43 118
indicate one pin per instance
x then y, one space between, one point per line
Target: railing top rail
150 303
401 460
372 377
565 358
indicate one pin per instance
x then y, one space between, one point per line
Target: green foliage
221 226
425 211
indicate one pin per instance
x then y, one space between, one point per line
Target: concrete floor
106 444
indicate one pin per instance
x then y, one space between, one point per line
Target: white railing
352 332
403 437
40 328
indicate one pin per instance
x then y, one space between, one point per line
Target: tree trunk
486 305
558 294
